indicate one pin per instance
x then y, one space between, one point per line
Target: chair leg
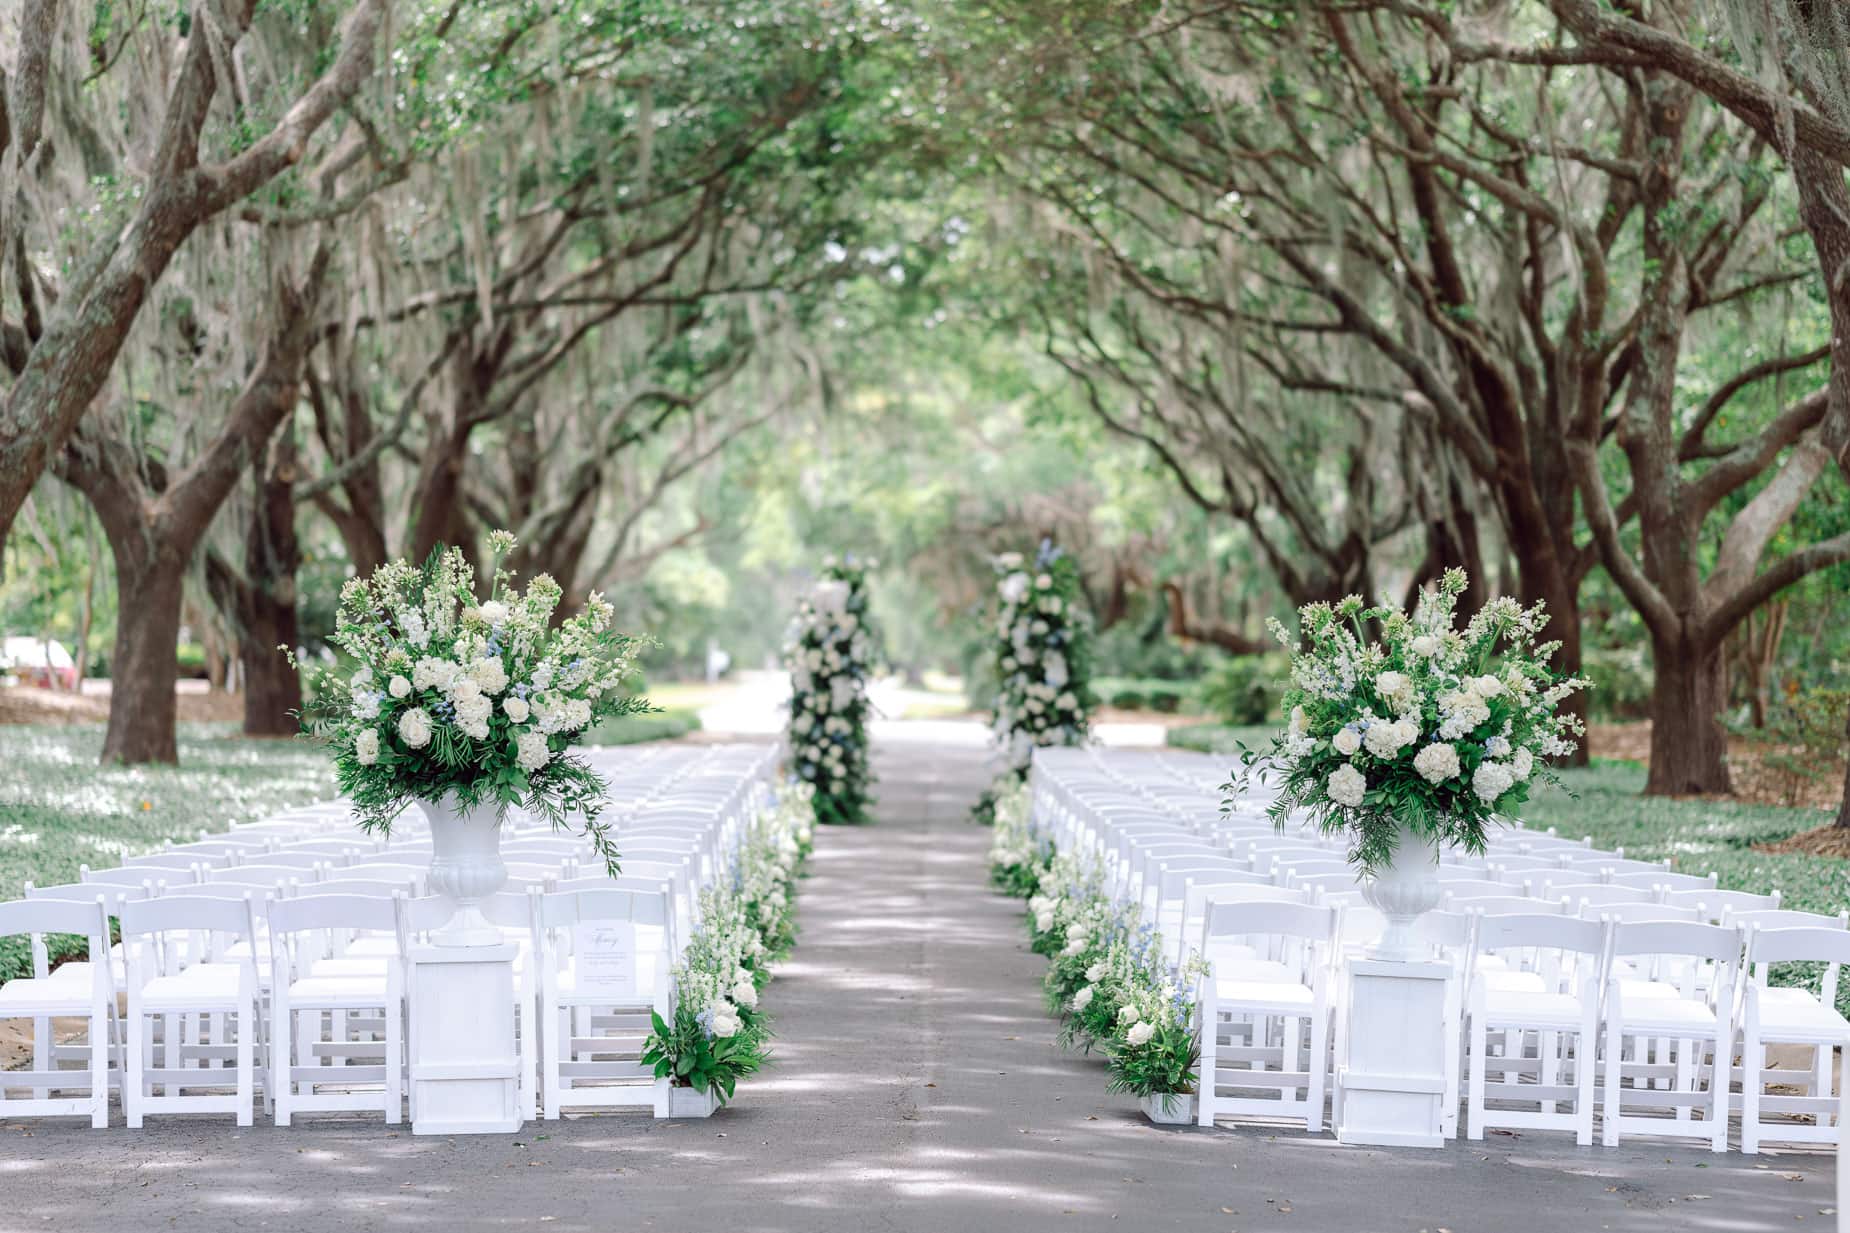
1548 1054
394 1102
1718 1099
549 1060
41 1049
1753 1058
1584 1075
1204 1083
99 1069
131 1081
1319 1053
247 1062
1474 1094
282 1075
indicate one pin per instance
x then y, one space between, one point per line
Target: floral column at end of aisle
833 647
1043 663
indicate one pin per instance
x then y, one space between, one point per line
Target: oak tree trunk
1689 748
267 599
144 666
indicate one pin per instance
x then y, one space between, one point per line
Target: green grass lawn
662 725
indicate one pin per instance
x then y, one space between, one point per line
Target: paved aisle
918 1088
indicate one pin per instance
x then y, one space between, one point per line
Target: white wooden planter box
686 1102
1173 1110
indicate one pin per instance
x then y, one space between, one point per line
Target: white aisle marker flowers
831 655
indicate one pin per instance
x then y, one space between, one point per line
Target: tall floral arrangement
832 652
1043 662
442 693
1441 730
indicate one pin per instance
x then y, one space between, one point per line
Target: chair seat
1630 988
1237 993
1255 969
1530 1009
49 996
77 972
349 965
204 986
357 988
1505 980
1668 1014
1801 1019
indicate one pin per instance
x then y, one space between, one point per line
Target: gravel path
917 1087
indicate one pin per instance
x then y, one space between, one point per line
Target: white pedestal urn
465 868
1403 892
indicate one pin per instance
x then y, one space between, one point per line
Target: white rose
1296 725
1487 686
414 728
1083 998
1014 587
1139 1035
494 612
366 746
744 992
1394 686
516 708
1346 785
400 687
1128 1013
725 1021
1436 763
1347 742
1044 581
1096 973
464 689
577 714
1425 646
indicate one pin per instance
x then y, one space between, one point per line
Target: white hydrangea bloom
531 752
366 746
1346 786
1436 763
1491 780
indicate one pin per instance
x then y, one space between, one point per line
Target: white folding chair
312 1038
42 997
1569 955
594 1059
1660 1035
173 946
1792 1016
1714 906
1231 1006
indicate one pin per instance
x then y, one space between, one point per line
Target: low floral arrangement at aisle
447 696
717 1034
831 654
1107 976
1429 728
1043 663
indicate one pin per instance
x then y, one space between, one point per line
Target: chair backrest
273 876
1638 912
136 877
1798 945
174 859
1541 930
1654 878
87 892
187 912
1787 918
1716 905
1228 918
319 912
1715 943
375 888
1587 892
38 916
561 909
1505 905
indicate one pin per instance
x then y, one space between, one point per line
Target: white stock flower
1347 742
414 728
1346 786
1436 763
366 746
1083 998
1096 972
494 612
515 708
1139 1035
362 679
1296 724
1396 687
